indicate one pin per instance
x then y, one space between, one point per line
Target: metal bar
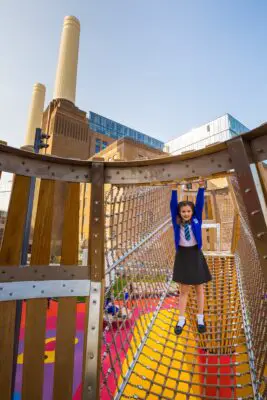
43 273
93 341
47 288
241 159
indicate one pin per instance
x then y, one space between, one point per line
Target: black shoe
201 328
179 329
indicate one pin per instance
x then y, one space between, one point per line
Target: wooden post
66 318
252 197
10 255
35 327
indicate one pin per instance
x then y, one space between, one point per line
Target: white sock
200 319
181 321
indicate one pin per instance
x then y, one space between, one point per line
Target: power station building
73 135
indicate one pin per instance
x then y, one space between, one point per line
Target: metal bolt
255 212
96 201
96 219
93 328
91 356
89 388
247 190
259 235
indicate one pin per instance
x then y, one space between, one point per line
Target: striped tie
187 232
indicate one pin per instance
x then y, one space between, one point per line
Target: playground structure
129 350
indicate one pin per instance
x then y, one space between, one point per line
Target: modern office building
218 130
115 130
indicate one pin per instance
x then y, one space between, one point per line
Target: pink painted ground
115 341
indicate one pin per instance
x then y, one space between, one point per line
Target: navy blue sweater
196 221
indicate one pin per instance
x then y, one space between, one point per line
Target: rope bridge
142 357
106 329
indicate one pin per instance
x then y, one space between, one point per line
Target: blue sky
161 67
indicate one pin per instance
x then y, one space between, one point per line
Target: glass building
116 131
218 130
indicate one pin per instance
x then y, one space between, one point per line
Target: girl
190 266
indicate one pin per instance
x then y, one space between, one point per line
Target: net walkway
142 358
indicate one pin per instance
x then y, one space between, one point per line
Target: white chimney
65 86
35 113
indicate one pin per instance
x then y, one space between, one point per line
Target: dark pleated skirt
190 266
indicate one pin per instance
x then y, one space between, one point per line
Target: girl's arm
173 206
200 200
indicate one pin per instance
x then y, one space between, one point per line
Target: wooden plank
215 209
34 341
66 318
209 208
204 240
236 233
213 239
10 255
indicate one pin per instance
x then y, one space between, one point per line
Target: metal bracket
43 289
91 381
93 344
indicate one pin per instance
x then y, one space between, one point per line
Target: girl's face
186 213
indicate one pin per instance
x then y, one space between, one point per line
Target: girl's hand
202 183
